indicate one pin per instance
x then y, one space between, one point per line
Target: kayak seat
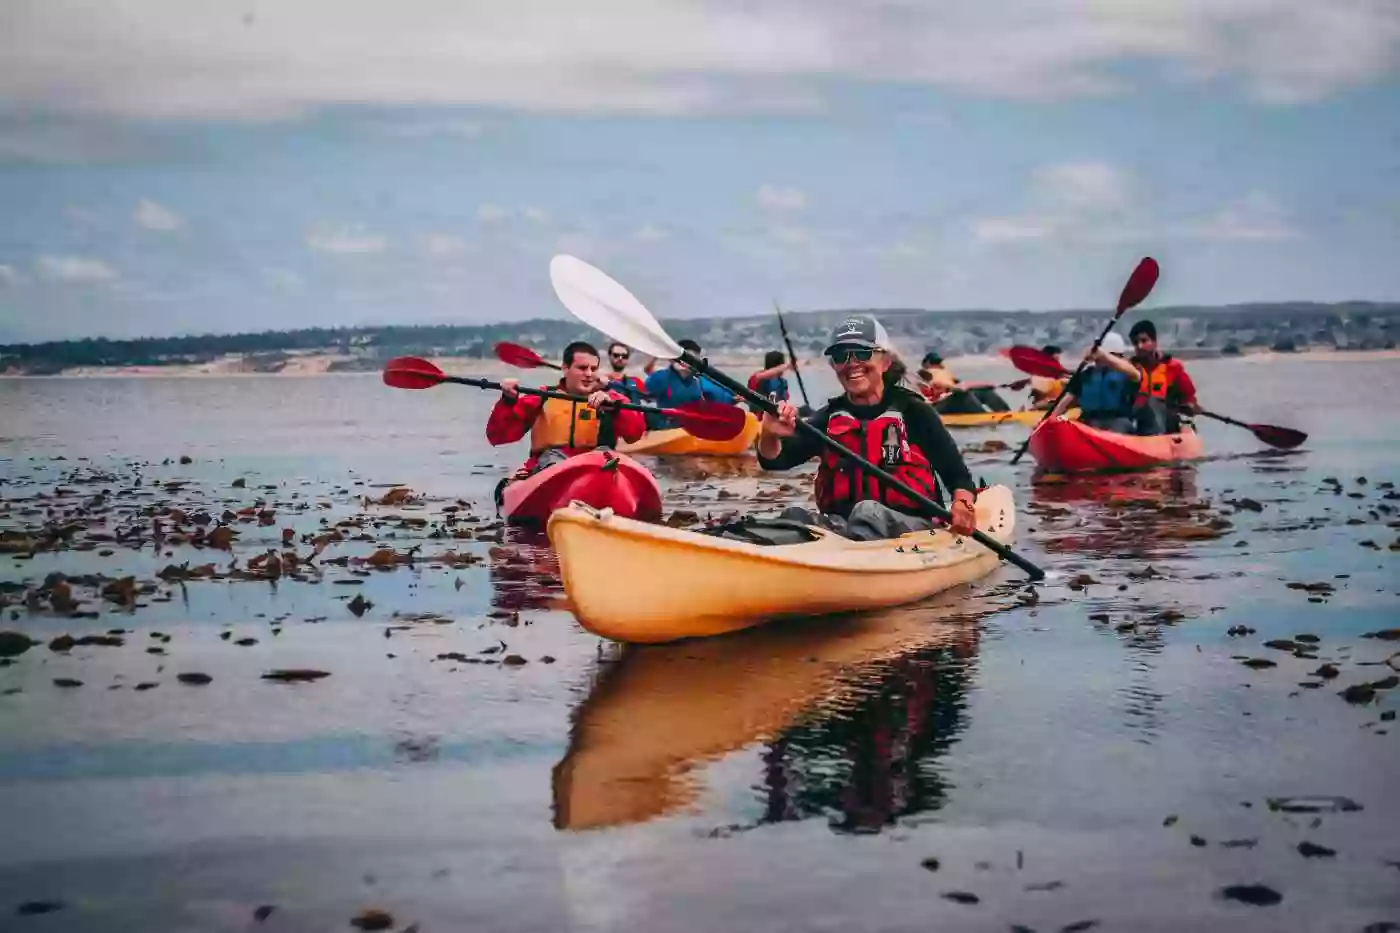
765 532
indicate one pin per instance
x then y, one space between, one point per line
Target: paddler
1106 391
769 381
888 425
619 355
678 384
560 429
1045 390
951 396
1165 391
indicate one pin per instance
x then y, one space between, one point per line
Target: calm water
1033 743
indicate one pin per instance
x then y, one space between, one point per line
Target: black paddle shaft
1077 370
792 358
932 509
545 393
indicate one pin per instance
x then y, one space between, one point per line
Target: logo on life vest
890 447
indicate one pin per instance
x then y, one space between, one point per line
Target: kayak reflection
524 574
855 711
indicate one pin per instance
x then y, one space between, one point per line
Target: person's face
618 357
859 369
1145 345
581 376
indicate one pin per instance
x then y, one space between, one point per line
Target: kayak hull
600 478
689 585
677 442
1069 447
995 418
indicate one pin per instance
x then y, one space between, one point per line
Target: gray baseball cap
859 330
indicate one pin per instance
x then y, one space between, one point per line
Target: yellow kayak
687 585
994 418
676 442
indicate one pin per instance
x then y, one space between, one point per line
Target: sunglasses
843 355
620 356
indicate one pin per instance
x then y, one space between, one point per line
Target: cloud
649 233
775 198
536 214
74 269
444 244
346 241
1256 216
491 213
432 127
177 59
282 279
155 216
1086 201
8 276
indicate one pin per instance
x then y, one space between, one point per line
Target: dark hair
932 356
618 343
1143 327
577 347
1051 350
691 345
773 358
894 376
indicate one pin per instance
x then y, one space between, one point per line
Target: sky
169 167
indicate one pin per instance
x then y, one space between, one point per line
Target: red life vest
883 441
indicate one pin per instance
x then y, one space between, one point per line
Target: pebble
372 919
1258 895
962 897
1313 850
194 678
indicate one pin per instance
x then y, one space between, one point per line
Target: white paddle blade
600 302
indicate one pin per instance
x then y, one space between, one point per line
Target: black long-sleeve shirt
925 431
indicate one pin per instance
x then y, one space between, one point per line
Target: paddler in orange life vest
1165 391
887 424
560 429
1045 390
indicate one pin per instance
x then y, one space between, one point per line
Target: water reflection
856 712
524 573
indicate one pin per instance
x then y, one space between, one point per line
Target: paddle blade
1275 436
1139 285
710 421
514 354
410 372
1033 362
594 298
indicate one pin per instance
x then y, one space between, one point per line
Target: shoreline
319 365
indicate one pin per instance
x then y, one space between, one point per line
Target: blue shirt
668 389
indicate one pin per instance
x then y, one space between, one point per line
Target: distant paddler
881 420
950 395
678 384
1046 390
769 381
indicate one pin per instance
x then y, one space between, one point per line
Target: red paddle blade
710 421
516 355
1033 362
1139 284
410 372
1275 436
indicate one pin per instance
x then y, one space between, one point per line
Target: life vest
1047 388
564 424
884 441
1105 392
942 377
1155 381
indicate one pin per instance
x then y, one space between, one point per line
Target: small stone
1282 644
295 675
1386 683
1327 671
1258 664
1314 804
1388 716
1079 926
263 912
186 460
146 685
194 678
1358 694
372 919
546 659
68 682
1198 842
1171 820
240 483
35 908
1257 895
1239 843
1309 639
513 660
14 644
962 897
62 643
1313 850
931 864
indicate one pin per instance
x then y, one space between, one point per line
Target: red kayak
600 478
1071 447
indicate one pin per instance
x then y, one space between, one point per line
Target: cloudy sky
172 167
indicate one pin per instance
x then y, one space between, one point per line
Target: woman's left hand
964 514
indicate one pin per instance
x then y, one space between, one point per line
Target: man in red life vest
1165 391
558 428
887 424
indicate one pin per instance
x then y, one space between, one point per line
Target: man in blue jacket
678 384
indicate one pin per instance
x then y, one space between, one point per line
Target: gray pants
869 521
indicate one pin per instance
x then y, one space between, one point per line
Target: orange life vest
564 424
1154 381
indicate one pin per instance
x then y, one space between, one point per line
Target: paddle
599 301
712 421
806 408
1031 360
1135 290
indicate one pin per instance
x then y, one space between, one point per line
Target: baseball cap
1114 343
860 330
